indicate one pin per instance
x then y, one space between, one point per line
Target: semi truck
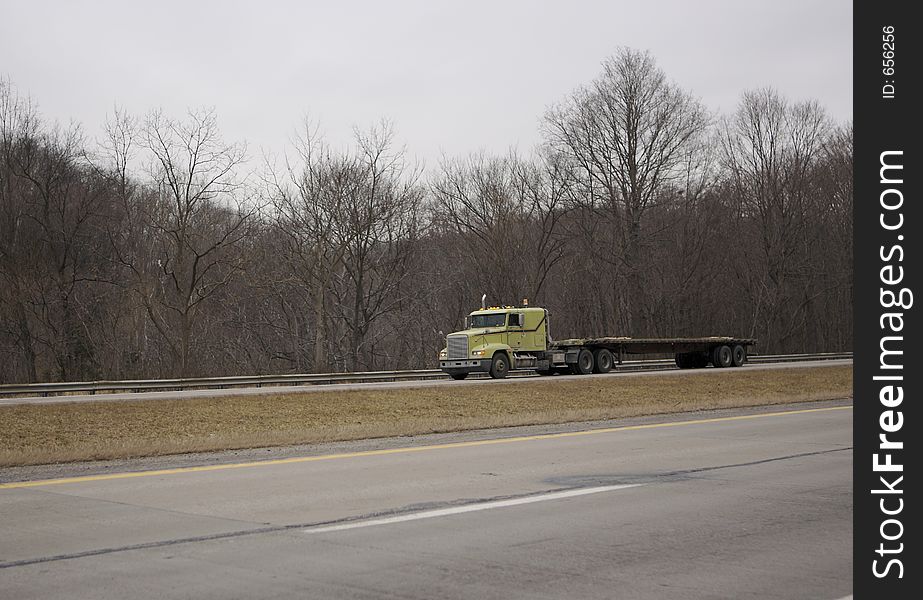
500 339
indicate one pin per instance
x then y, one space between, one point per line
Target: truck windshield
478 321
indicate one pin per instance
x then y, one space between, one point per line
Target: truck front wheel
500 366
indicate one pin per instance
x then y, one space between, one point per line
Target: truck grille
457 346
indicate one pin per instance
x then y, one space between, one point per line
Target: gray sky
454 77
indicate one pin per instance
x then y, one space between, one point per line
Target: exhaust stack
483 301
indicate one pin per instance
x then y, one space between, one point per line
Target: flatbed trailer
689 353
497 340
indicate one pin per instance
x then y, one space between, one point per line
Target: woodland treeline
162 250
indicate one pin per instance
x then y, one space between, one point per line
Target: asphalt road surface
751 504
289 389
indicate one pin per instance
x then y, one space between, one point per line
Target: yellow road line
302 459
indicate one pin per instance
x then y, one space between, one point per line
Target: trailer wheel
682 360
500 366
458 376
602 361
584 364
721 356
739 355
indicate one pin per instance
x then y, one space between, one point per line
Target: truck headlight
477 353
443 354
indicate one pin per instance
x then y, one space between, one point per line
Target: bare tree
835 255
347 225
19 125
377 225
307 199
771 151
53 251
180 240
629 132
507 211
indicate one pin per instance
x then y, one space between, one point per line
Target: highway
751 503
290 389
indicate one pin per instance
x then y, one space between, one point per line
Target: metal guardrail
142 385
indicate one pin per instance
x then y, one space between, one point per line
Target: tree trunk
320 331
185 326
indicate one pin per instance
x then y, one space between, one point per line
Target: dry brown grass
38 434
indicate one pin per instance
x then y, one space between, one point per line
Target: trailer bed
627 345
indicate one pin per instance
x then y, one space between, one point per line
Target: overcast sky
454 77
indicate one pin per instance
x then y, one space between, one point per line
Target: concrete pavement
754 504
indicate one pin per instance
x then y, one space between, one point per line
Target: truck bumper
464 366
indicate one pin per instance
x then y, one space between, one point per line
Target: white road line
443 512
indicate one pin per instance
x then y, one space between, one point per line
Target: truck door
516 336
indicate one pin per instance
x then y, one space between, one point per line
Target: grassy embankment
37 434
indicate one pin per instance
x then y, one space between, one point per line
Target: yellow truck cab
495 340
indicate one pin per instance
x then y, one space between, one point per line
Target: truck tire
721 356
500 365
602 361
739 355
458 376
584 364
682 360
